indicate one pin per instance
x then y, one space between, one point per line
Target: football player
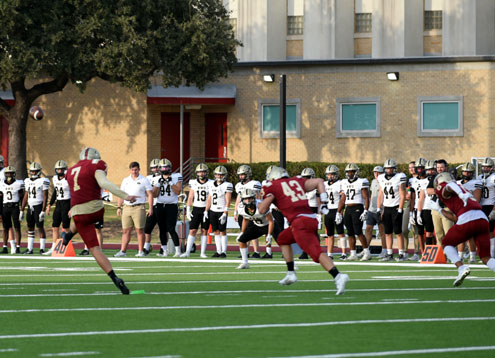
86 179
217 208
334 192
278 217
244 173
475 187
487 178
392 195
407 213
167 190
198 195
289 194
254 224
356 202
415 211
151 219
313 201
373 218
423 208
36 196
470 221
61 194
11 195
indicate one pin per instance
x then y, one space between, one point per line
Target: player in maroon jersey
86 179
470 222
289 195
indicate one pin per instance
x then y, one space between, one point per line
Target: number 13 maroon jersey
290 196
82 181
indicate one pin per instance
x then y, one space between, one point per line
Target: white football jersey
391 188
2 174
200 192
423 186
488 192
11 191
333 191
35 188
352 190
252 184
61 187
217 193
257 218
471 185
312 198
153 179
167 195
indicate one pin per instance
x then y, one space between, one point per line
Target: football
36 113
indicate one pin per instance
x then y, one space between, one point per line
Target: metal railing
189 165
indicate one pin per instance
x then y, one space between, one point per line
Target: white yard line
253 291
68 354
398 353
244 327
270 305
6 350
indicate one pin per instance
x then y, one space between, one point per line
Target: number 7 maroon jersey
82 181
290 196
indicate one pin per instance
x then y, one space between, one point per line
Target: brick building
342 106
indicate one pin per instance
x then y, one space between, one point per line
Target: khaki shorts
134 216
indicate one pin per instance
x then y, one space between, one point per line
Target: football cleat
256 255
464 272
28 252
267 256
140 254
48 253
120 254
382 254
343 257
203 256
361 254
330 255
401 258
5 250
303 256
289 279
340 282
84 252
414 257
17 250
121 286
146 252
177 254
216 254
223 255
352 258
366 257
185 254
243 266
42 252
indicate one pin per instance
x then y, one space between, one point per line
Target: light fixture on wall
268 78
393 76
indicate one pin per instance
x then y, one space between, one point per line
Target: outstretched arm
104 183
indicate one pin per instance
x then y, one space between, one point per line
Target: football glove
465 197
399 211
419 219
434 205
492 215
42 216
205 215
338 218
223 218
21 216
364 215
412 221
324 203
189 215
268 239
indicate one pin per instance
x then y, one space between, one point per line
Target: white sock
12 245
401 252
353 252
177 250
384 250
460 253
164 248
224 243
269 250
342 243
218 244
244 255
366 251
204 242
492 247
30 240
42 243
472 255
452 254
190 242
491 264
390 251
147 246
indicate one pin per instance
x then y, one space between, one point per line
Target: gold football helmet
244 170
430 164
35 170
308 173
60 167
89 153
487 166
202 168
165 166
332 173
268 170
420 162
220 173
467 171
10 173
351 168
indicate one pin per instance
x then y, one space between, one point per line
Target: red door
170 141
216 137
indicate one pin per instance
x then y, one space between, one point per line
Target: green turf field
207 308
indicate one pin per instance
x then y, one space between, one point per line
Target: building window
433 20
358 117
440 116
269 118
295 25
362 22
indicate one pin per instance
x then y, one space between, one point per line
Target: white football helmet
487 166
220 173
154 165
60 167
277 173
10 173
165 166
332 173
308 173
89 153
351 168
35 170
246 170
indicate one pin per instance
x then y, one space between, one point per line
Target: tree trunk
17 118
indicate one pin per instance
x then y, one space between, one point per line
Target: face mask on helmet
420 171
249 203
154 170
351 175
201 175
389 172
486 170
10 177
243 178
467 175
34 174
220 178
60 172
166 170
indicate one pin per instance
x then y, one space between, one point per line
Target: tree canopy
53 42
